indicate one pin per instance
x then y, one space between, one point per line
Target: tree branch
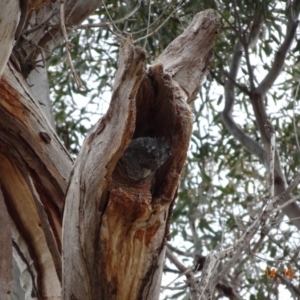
195 294
257 100
291 287
271 131
187 254
251 145
240 87
207 284
280 56
68 45
292 211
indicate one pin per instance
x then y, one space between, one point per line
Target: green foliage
223 186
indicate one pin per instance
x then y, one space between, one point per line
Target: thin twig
242 88
182 27
64 31
148 24
187 254
181 287
269 260
156 20
39 26
41 49
116 34
282 246
290 201
71 7
110 18
160 26
176 262
293 289
294 122
237 17
195 294
207 284
271 131
111 22
231 26
289 189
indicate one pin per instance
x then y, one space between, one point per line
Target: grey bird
142 158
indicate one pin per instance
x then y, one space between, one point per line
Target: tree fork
114 235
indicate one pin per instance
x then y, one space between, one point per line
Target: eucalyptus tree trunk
109 240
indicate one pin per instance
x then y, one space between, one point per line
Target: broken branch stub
114 231
188 57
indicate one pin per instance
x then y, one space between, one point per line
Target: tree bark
114 234
34 172
38 81
8 15
34 165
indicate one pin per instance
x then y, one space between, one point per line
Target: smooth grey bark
38 82
18 292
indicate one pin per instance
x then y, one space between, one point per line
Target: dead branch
195 293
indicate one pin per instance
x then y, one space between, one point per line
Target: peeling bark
34 165
34 172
